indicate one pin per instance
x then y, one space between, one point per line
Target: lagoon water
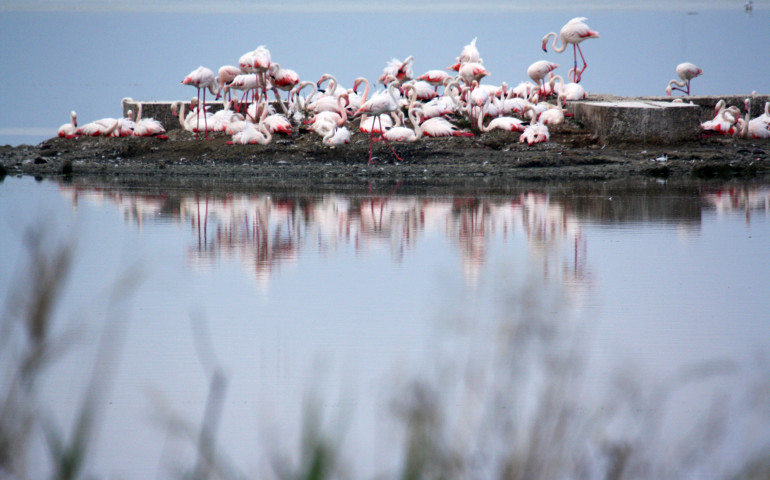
638 311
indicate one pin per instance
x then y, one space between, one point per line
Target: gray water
87 56
636 311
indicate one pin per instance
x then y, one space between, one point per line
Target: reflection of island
266 231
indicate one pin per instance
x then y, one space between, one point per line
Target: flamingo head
545 47
668 90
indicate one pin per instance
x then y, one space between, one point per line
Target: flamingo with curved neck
685 71
68 130
573 32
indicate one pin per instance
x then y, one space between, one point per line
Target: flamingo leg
580 75
205 120
379 119
371 140
198 115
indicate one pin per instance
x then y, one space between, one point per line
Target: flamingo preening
685 71
573 32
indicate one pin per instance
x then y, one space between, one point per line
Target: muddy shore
494 157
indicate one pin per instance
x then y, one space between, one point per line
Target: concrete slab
638 121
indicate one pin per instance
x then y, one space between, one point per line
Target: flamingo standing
685 71
384 102
202 78
68 129
435 78
574 32
283 78
257 62
538 70
225 75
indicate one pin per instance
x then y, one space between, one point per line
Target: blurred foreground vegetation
523 409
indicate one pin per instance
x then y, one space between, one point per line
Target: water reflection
265 231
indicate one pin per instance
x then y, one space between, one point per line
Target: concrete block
638 121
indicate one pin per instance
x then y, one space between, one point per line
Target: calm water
639 311
92 54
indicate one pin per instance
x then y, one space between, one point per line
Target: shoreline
573 153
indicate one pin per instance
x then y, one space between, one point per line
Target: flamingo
534 133
439 127
334 135
257 62
724 122
202 78
470 71
435 78
685 71
538 70
509 124
283 78
574 32
68 129
758 127
468 54
244 82
384 102
147 127
570 91
553 115
402 133
400 70
225 75
252 134
104 127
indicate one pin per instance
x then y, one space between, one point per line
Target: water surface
632 304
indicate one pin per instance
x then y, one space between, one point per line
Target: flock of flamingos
251 118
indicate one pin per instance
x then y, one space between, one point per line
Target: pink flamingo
400 70
257 62
225 75
402 133
435 78
758 127
384 102
509 124
534 133
68 129
147 127
202 78
574 32
685 71
283 78
470 71
468 54
538 70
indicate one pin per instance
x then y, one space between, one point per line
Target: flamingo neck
556 38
